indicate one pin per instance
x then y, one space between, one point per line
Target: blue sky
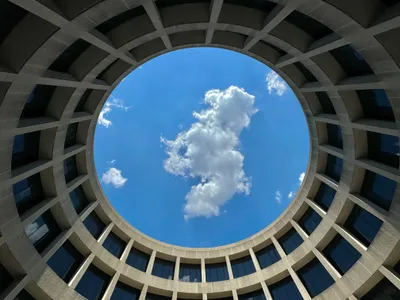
201 147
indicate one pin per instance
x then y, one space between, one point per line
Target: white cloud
111 162
291 194
111 103
113 176
301 177
208 150
278 197
275 84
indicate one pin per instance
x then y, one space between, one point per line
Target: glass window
125 292
68 57
42 231
315 278
265 6
384 290
24 295
326 103
38 101
70 139
78 199
242 266
6 279
335 138
25 149
383 148
70 169
267 256
309 221
334 167
10 16
375 104
138 259
81 104
66 261
190 273
397 268
306 73
341 254
352 63
256 295
114 244
150 296
163 268
95 225
363 225
324 196
93 283
290 241
216 272
114 22
378 189
285 289
28 192
309 25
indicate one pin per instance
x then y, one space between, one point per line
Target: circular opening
201 147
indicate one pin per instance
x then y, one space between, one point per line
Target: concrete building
61 239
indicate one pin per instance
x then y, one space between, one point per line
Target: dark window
100 76
363 225
390 2
95 225
78 199
326 103
43 231
66 261
216 272
309 25
375 104
256 295
37 102
383 148
285 289
279 50
334 167
138 259
70 169
114 244
263 5
150 296
190 273
93 283
114 22
267 256
24 295
341 254
352 63
242 266
324 196
68 57
5 279
82 102
70 138
384 290
25 149
378 189
309 221
10 16
125 292
335 138
315 278
290 241
397 267
163 268
28 192
306 73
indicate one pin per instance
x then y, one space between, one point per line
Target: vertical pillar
229 267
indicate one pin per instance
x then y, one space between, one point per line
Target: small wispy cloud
301 178
275 84
111 103
291 194
111 162
114 177
278 197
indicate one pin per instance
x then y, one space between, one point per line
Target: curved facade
61 239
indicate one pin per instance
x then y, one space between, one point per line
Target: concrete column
177 268
327 265
266 291
235 295
143 292
278 247
299 230
229 267
81 271
151 262
348 237
204 296
255 260
110 289
203 271
127 250
105 233
174 295
303 291
391 276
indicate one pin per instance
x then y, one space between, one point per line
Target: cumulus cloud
275 84
301 178
111 103
114 176
291 194
278 197
208 150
